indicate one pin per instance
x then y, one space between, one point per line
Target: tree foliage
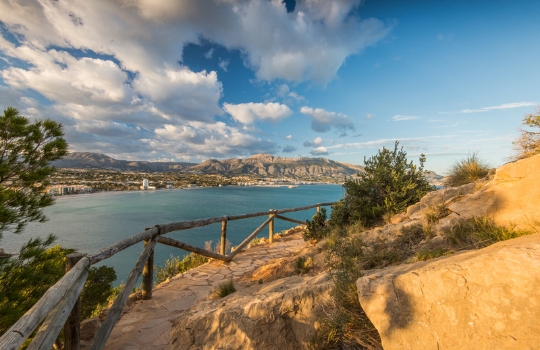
528 144
97 289
26 148
26 277
317 228
386 187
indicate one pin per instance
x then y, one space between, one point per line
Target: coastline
105 193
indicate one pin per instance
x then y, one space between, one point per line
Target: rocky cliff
265 164
476 299
483 299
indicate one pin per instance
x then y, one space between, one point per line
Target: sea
91 222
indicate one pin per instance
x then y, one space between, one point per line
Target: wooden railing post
223 237
72 327
148 275
271 227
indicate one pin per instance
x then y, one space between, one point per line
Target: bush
225 289
302 264
316 228
466 171
175 265
388 185
97 290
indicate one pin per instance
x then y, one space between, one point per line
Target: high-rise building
145 184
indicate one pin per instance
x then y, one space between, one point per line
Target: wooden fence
60 307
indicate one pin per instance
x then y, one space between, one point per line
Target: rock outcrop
511 198
484 299
277 315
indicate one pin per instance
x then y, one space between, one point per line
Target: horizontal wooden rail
109 251
290 220
25 326
114 313
190 248
184 225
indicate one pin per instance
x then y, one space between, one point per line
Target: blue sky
198 79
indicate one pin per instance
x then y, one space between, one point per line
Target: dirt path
147 324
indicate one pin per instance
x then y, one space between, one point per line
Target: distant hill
100 161
265 164
261 164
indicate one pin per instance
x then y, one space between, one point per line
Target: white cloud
399 117
318 140
323 121
111 68
503 106
370 115
248 113
319 151
208 55
223 64
288 137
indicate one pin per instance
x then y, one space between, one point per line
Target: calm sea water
91 222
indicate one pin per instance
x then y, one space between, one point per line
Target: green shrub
175 265
466 171
428 254
387 186
97 290
478 232
347 327
316 228
302 264
225 289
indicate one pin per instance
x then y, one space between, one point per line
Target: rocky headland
470 296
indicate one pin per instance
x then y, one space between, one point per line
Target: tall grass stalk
466 171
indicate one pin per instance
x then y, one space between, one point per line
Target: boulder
276 315
483 299
511 198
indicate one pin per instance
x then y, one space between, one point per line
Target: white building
144 184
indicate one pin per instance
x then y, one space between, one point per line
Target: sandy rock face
484 299
279 315
511 198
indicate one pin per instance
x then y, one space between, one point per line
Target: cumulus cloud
319 151
288 149
399 117
110 71
289 137
248 113
317 141
323 121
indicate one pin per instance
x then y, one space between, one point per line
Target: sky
191 80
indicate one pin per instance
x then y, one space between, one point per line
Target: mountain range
260 164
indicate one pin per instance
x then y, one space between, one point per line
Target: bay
89 223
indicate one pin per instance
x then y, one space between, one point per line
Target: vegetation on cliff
387 186
528 144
